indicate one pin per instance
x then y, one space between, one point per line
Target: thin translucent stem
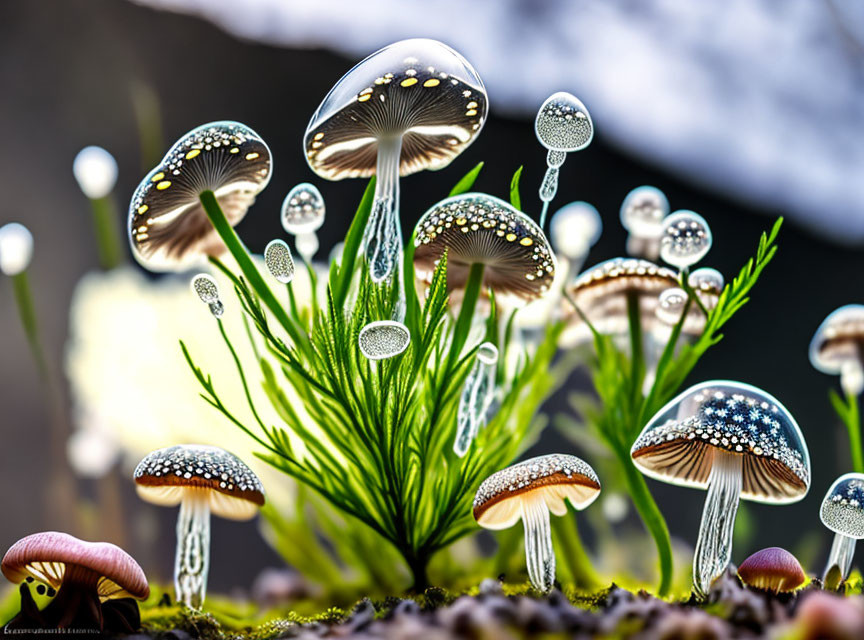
106 228
839 561
714 546
192 562
477 394
539 554
382 239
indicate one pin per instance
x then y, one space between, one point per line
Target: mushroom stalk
539 554
839 561
382 242
714 546
476 398
192 562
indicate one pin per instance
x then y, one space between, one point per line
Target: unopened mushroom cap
677 446
303 209
643 210
166 476
551 478
168 227
773 569
479 228
574 229
601 293
563 123
419 89
839 341
46 556
842 509
686 239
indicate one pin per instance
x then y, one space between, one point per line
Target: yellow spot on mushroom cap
408 82
510 237
234 150
471 112
159 176
252 156
364 98
526 241
143 209
193 153
163 185
432 82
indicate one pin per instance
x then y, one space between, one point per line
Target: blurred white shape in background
16 248
95 171
759 99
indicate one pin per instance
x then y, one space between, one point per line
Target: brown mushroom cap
839 341
166 476
46 557
677 445
601 293
551 478
168 227
773 569
419 89
478 228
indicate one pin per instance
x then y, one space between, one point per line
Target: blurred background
740 110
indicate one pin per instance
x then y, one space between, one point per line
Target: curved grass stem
107 231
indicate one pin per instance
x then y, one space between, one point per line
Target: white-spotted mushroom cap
602 291
843 507
685 240
551 478
708 284
168 227
48 556
643 210
478 228
278 260
838 345
420 89
303 209
383 339
167 476
563 124
205 288
677 446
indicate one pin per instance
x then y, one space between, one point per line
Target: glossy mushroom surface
686 239
734 440
838 347
642 214
773 569
168 227
842 512
477 395
202 480
528 491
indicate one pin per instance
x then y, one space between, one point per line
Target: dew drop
383 339
303 209
686 239
280 264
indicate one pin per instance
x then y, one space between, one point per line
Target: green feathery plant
623 409
381 448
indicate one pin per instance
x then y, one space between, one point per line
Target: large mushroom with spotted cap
838 347
413 105
528 491
96 583
842 512
202 480
486 240
734 440
169 229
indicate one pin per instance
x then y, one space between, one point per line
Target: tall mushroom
737 441
528 491
302 215
202 480
842 512
838 347
96 583
413 105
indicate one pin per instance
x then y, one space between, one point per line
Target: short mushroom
838 347
563 125
772 569
737 441
280 264
413 105
207 290
528 491
201 480
169 229
707 284
486 240
96 583
842 512
686 239
573 230
642 214
302 215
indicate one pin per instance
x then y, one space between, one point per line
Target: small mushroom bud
772 569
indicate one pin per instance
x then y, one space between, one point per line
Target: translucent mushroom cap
686 239
563 123
166 476
574 229
551 478
168 227
643 210
839 340
707 283
842 509
677 445
478 228
303 209
46 556
601 292
419 89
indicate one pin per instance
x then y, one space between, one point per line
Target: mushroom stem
192 561
477 395
714 546
539 554
382 240
839 561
